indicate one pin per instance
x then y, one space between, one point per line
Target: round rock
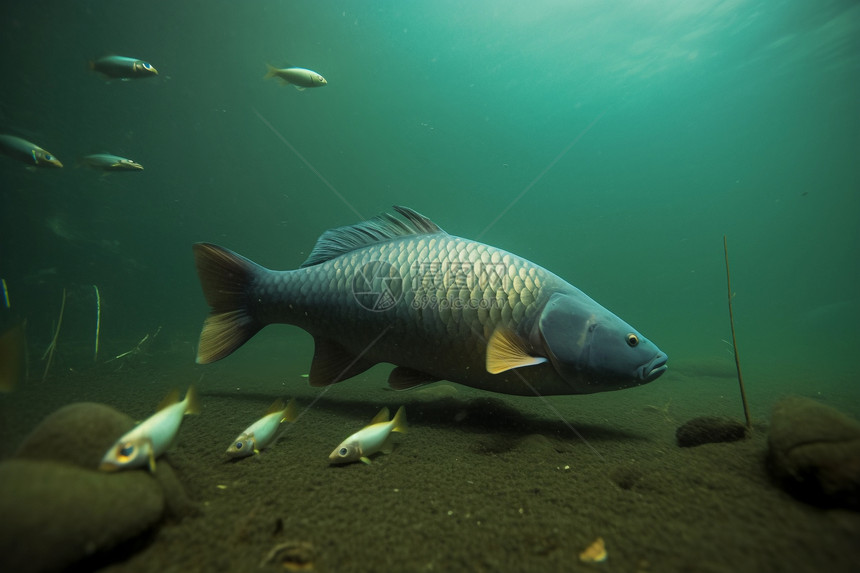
55 514
814 452
77 434
709 430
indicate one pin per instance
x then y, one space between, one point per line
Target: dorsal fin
384 227
277 406
381 416
169 400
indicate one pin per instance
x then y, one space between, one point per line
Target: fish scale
403 291
468 306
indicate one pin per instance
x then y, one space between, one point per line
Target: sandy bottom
481 482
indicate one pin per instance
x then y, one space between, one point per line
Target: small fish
23 150
375 437
108 162
149 439
299 77
122 68
260 433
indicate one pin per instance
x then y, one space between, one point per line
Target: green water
614 143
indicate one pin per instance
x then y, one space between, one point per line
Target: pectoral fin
151 452
332 363
506 351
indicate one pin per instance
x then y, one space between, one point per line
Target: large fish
399 289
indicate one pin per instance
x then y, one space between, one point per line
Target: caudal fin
225 278
271 72
399 420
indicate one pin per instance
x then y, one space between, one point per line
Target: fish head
127 165
592 349
242 446
43 158
126 453
348 451
318 79
142 67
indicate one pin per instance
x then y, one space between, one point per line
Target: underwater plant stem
53 345
98 322
734 339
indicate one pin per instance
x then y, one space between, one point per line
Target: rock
77 434
814 453
708 430
56 514
52 494
177 502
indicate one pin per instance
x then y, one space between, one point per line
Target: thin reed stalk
98 322
50 351
734 339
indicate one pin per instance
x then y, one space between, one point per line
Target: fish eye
342 452
125 452
632 340
239 445
49 157
147 65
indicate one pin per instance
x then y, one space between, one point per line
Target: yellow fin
382 416
365 460
399 421
151 452
290 412
169 400
277 406
192 402
271 71
506 351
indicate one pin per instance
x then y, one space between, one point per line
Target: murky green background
614 143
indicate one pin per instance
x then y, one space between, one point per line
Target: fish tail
225 278
291 412
192 402
270 72
399 420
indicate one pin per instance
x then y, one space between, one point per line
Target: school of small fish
143 444
122 68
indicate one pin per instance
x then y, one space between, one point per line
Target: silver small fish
298 77
151 438
123 68
259 434
27 152
108 162
375 437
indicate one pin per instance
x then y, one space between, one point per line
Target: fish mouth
655 368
